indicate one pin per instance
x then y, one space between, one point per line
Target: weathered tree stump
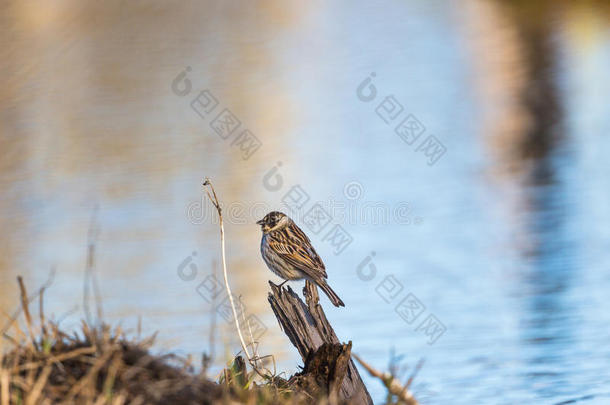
329 368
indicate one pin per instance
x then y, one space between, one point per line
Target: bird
288 253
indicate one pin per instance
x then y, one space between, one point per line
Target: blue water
489 261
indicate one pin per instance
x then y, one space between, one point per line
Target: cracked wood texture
308 330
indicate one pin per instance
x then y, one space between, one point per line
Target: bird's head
273 221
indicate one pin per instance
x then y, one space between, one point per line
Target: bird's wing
293 246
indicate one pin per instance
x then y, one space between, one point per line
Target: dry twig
391 382
214 199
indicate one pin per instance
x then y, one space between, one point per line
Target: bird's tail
334 298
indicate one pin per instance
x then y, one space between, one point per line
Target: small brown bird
287 251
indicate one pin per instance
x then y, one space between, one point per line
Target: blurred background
496 236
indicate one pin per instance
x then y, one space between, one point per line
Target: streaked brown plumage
287 251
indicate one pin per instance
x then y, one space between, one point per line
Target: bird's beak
260 222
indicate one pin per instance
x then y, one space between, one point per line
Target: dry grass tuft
41 364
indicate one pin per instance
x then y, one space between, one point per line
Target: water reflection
540 158
510 255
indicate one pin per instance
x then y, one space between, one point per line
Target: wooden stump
328 364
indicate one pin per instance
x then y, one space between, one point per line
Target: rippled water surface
500 247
